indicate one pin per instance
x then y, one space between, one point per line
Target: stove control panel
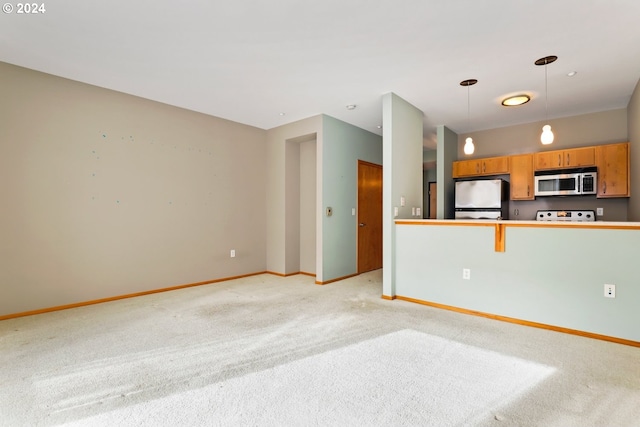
570 215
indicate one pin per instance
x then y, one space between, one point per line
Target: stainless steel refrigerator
482 199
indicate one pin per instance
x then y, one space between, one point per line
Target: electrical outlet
418 212
609 291
466 273
232 253
600 211
413 211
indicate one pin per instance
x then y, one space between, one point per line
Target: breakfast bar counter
545 274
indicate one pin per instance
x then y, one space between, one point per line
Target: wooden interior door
433 197
369 216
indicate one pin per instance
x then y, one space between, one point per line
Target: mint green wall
342 146
633 120
402 174
447 153
532 280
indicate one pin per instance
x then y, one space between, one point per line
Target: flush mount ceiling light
547 135
351 107
572 73
469 148
516 100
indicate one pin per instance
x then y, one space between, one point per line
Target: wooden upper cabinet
572 158
495 165
613 170
480 167
547 160
612 161
466 168
521 180
579 157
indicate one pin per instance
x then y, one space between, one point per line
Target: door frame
429 184
363 162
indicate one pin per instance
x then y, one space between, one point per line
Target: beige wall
106 194
308 217
576 131
633 119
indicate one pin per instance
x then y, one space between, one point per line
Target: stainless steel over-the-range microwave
566 183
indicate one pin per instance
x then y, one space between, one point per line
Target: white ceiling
250 60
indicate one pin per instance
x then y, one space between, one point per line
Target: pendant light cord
468 109
546 93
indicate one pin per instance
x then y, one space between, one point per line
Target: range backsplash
614 209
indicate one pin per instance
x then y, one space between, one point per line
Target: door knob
362 224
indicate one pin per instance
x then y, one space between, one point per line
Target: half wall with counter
549 275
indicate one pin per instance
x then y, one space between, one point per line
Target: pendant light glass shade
469 148
547 136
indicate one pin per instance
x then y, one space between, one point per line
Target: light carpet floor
266 350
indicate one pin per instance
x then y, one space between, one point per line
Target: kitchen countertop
518 223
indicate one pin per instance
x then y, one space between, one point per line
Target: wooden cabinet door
369 230
466 168
495 165
548 160
579 157
613 170
479 167
573 158
521 181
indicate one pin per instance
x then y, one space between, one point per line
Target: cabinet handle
568 159
484 167
604 187
528 190
559 160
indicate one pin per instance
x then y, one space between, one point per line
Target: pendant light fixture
547 135
468 144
